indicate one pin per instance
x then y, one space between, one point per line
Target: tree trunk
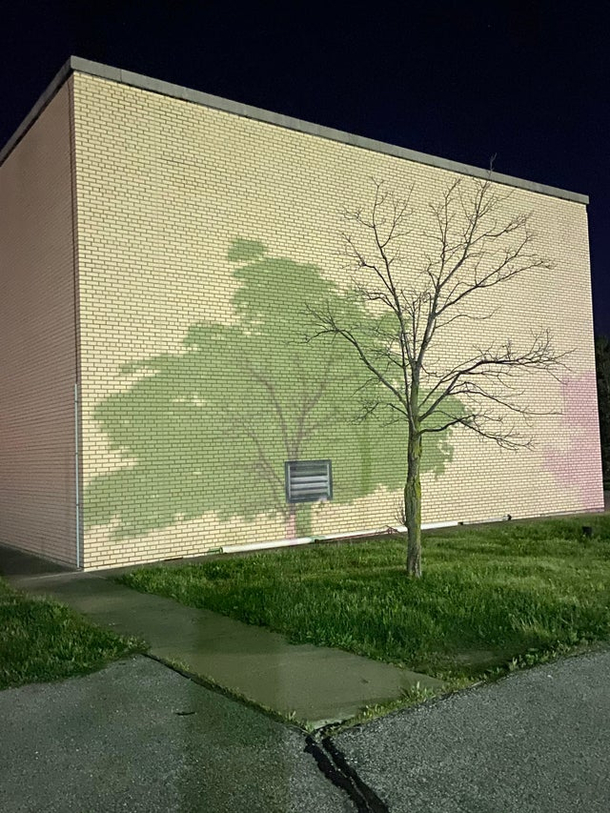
413 504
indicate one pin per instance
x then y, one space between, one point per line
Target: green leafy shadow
210 429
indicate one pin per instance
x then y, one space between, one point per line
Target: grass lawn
491 598
41 640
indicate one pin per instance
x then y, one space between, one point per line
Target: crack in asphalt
337 770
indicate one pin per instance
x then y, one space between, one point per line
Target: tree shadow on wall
210 429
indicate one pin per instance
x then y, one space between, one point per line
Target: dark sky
526 81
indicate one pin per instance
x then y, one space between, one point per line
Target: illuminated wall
205 238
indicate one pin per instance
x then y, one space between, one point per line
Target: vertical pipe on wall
77 365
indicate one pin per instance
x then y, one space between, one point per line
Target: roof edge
78 64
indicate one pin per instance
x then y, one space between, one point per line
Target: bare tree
476 246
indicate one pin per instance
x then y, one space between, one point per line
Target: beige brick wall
37 340
165 186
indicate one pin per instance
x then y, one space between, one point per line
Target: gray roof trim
218 103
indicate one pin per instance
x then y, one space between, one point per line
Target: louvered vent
308 480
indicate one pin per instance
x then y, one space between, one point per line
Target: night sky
525 81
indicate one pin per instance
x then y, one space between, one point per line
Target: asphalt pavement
535 742
138 736
141 738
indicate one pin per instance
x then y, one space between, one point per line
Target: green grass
492 598
41 640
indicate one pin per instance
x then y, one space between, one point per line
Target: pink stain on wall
578 465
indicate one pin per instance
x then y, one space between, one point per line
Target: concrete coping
77 64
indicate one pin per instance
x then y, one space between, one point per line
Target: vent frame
313 483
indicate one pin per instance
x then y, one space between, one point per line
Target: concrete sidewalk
314 685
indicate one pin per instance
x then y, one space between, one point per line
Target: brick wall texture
38 343
203 237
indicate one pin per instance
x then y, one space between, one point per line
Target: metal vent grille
308 480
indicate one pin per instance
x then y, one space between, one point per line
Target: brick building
159 248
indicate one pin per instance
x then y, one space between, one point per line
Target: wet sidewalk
316 685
